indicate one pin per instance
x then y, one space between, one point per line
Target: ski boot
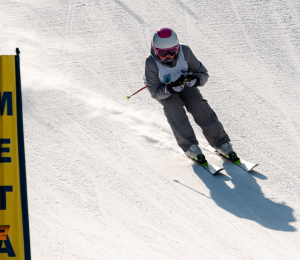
227 151
196 154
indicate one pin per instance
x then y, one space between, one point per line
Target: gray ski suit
159 74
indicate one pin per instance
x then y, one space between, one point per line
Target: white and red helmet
165 38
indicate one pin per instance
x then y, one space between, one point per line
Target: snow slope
106 179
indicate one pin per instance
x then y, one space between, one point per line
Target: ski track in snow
106 179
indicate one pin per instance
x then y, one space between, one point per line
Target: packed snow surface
106 179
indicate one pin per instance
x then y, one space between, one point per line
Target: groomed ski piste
105 177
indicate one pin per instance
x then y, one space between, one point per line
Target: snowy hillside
106 179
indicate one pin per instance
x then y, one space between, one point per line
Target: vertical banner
14 222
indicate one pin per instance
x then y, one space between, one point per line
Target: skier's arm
195 66
157 89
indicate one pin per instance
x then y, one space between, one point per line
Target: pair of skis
213 169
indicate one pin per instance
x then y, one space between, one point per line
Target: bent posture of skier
172 74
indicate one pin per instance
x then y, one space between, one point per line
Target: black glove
193 80
177 85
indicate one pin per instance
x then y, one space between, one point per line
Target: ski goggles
165 52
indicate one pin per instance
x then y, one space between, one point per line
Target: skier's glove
177 86
193 80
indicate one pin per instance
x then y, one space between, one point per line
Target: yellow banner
14 226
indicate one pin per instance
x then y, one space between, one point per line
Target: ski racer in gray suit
172 74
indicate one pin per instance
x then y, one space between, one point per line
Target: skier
172 74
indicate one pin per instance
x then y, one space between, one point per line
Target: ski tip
213 169
219 170
247 166
250 170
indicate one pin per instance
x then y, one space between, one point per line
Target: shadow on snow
246 199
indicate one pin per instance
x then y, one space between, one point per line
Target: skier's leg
205 117
179 122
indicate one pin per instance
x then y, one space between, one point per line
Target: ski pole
128 97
